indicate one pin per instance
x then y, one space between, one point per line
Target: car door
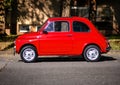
82 35
57 39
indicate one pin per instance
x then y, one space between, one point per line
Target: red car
71 36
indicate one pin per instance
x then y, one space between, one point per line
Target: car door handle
69 35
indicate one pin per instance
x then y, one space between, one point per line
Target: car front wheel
92 53
28 54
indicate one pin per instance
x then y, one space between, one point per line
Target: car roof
68 18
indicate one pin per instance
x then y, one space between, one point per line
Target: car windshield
39 27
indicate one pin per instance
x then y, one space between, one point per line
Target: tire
92 53
28 54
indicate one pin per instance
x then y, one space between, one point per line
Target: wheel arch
28 44
91 44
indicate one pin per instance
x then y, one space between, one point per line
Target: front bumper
108 49
14 50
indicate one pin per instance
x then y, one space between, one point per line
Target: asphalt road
61 71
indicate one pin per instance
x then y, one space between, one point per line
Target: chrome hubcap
92 53
28 54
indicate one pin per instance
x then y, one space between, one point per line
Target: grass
114 37
115 44
6 42
6 45
114 41
10 38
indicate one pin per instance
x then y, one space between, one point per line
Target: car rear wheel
28 54
92 53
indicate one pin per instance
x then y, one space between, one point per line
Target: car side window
58 26
61 26
80 27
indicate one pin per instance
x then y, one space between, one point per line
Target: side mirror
45 32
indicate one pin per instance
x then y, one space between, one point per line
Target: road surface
61 71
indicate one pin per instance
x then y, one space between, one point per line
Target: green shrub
114 37
10 38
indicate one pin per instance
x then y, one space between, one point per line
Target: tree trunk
2 18
92 10
66 8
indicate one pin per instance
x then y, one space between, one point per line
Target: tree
2 20
92 10
66 8
8 9
7 4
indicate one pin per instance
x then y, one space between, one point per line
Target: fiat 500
62 36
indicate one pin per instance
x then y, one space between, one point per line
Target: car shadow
107 58
61 59
73 59
70 59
